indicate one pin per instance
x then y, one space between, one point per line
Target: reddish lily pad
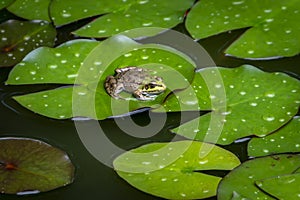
173 170
283 187
285 140
32 165
242 180
17 38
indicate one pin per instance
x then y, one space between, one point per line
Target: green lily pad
243 101
32 165
237 196
52 65
285 140
87 65
242 179
32 10
273 25
17 38
284 187
128 15
164 169
5 3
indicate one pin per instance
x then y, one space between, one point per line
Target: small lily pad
273 25
32 10
17 38
86 64
283 187
242 179
243 101
128 15
32 165
285 140
164 169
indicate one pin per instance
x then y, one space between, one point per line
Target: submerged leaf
164 169
86 64
285 140
17 38
32 165
243 178
273 25
120 16
32 10
244 101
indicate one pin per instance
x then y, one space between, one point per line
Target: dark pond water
94 180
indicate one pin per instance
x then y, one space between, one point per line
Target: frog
135 80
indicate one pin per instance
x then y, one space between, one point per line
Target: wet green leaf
120 16
283 187
164 169
32 10
52 65
237 196
243 178
87 65
18 38
244 101
32 165
285 140
273 25
5 3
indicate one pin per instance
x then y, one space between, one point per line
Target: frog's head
154 86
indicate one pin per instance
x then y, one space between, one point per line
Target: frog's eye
151 86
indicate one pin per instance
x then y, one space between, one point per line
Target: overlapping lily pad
87 65
164 169
243 179
284 187
285 140
124 15
273 25
28 165
17 38
32 10
243 101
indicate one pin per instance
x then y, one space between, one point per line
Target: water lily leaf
273 25
135 14
283 187
32 10
32 165
86 64
164 169
243 101
243 178
52 65
66 11
19 38
237 196
5 3
285 140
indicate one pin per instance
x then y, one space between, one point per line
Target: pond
93 179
